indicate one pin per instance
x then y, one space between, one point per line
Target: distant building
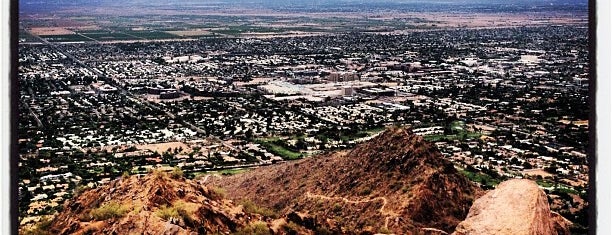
378 91
182 59
106 89
169 95
470 62
55 177
347 91
342 76
159 89
60 93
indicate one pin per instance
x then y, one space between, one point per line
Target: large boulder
516 207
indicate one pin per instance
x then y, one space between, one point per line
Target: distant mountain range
49 6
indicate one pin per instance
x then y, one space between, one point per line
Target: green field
459 132
361 134
108 36
545 183
481 178
93 31
152 34
272 145
558 188
566 190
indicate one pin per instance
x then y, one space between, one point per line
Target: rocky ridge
153 204
396 182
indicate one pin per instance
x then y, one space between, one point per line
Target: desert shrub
137 209
125 175
384 230
175 211
365 192
322 231
35 231
80 189
198 177
319 204
85 217
218 193
158 173
337 207
40 228
44 223
256 228
187 218
291 228
166 213
109 211
177 173
253 208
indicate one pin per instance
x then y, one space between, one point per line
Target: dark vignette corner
14 100
592 152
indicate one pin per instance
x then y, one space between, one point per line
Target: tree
551 169
301 144
249 134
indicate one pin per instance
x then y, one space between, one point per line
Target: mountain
516 206
55 6
396 182
158 203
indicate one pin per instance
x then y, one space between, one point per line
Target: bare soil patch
163 147
42 31
536 172
189 32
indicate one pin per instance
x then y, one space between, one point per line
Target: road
38 122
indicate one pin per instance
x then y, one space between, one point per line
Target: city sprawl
499 102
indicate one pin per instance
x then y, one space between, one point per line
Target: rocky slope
515 207
154 204
396 182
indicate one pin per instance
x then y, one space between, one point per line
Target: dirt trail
208 176
388 214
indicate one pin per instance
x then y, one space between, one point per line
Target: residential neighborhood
498 102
